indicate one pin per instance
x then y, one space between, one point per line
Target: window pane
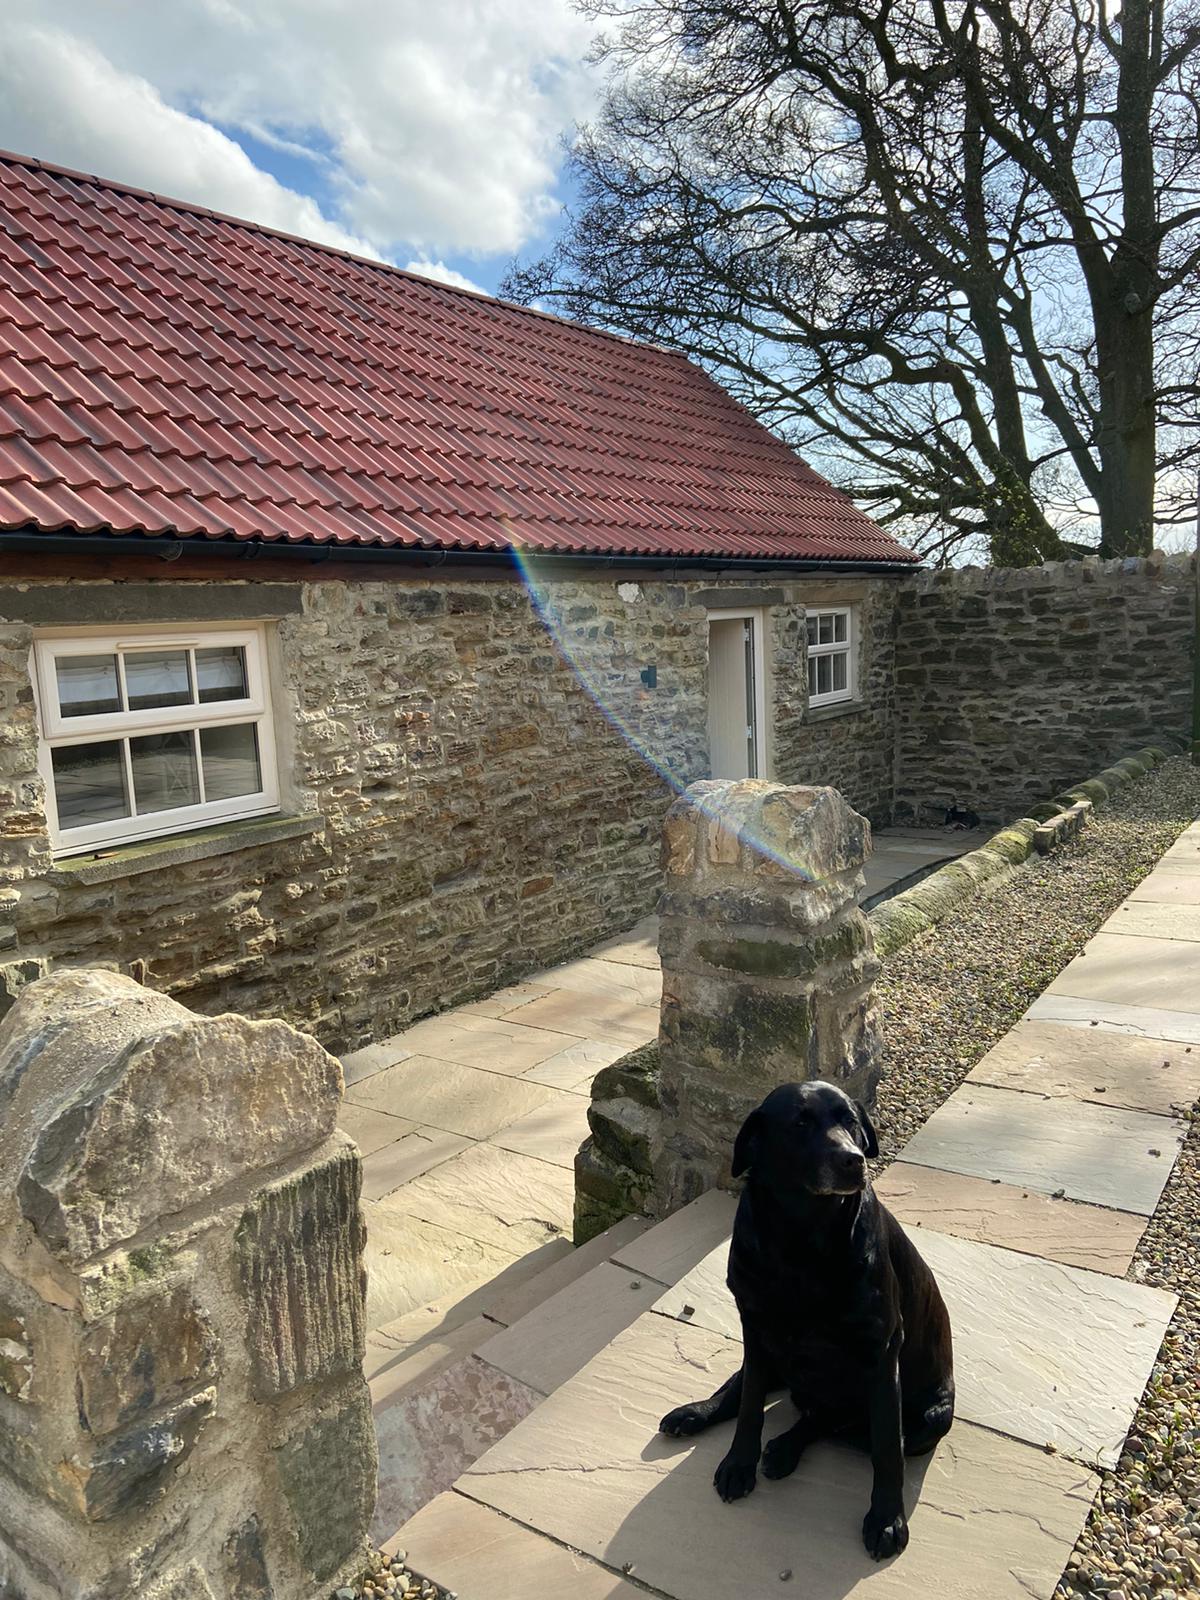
164 771
157 678
221 674
812 675
839 627
812 629
87 685
89 783
839 670
825 634
230 757
824 674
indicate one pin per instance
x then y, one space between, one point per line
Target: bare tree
951 246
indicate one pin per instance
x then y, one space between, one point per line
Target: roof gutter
169 548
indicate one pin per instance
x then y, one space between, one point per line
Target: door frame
757 620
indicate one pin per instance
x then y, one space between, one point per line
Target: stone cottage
356 632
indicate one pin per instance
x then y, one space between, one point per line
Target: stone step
438 1405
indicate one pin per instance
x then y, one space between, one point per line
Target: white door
734 695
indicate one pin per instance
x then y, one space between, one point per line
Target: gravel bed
389 1575
946 999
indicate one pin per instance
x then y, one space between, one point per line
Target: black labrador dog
836 1305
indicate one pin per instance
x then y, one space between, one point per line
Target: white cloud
425 129
441 273
149 145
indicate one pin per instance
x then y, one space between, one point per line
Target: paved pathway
469 1122
1030 1186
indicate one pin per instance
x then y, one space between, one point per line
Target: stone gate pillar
183 1414
767 966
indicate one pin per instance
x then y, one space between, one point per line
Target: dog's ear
870 1144
746 1145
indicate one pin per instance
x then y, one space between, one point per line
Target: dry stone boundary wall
1010 683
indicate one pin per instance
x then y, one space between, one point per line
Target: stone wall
486 772
850 748
182 1404
1014 684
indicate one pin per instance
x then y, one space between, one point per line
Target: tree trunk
1124 325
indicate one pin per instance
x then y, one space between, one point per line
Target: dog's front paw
735 1478
684 1420
782 1455
885 1532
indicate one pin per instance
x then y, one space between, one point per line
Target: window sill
839 708
128 860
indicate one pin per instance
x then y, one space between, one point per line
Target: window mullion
120 655
199 766
127 759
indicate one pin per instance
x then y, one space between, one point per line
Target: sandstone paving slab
1045 1353
455 1098
371 1130
1186 849
497 1043
440 1318
411 1262
1015 1219
1134 972
431 1433
477 1554
638 947
372 1058
1100 1065
503 1001
575 1067
991 1519
507 1201
407 1352
510 1302
1100 1154
701 1299
593 975
1150 919
564 1332
571 1012
670 1249
1164 887
416 1153
551 1133
1144 1022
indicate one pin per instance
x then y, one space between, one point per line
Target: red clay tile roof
164 370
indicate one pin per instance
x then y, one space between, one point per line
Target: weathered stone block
326 1471
300 1261
147 1354
130 1471
16 1354
245 1564
160 1123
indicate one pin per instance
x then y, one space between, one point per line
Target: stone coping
126 861
898 920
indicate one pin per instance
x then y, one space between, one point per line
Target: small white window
145 734
830 655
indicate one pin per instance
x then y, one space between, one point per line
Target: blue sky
430 135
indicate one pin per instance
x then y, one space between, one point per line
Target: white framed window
831 642
145 732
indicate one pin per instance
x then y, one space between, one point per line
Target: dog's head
808 1137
